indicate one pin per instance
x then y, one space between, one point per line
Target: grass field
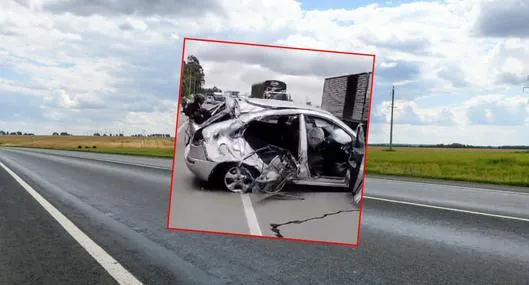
507 167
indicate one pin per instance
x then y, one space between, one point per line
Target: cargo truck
270 89
348 97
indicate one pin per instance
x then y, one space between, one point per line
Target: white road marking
251 217
125 163
440 183
72 155
112 266
449 209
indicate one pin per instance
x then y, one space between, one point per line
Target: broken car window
277 130
327 148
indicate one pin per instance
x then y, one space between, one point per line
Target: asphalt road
121 203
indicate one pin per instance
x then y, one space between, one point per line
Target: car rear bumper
197 163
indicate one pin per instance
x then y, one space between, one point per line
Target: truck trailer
348 97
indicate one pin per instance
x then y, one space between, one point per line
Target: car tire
234 178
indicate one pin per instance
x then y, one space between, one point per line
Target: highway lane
124 209
494 199
488 200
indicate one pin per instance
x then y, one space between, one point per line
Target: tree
193 77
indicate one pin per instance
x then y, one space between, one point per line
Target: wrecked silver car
263 145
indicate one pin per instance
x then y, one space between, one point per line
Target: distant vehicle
219 96
232 93
269 87
267 144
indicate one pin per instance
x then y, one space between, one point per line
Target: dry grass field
149 146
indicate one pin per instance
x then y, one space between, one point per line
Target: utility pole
526 85
391 127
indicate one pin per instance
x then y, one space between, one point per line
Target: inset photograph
271 141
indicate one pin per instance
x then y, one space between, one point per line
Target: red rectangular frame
176 140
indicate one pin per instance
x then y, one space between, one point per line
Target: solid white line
118 272
440 183
449 209
71 155
251 217
125 163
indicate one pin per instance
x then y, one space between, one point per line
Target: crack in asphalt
275 227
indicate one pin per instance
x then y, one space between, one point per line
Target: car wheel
236 178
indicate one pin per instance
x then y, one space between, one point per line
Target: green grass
505 167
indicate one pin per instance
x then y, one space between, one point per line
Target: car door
306 174
356 163
303 171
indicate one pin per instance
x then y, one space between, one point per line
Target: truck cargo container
348 97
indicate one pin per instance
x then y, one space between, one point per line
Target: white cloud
237 67
123 56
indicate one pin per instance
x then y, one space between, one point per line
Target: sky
86 66
233 66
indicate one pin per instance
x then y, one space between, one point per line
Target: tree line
19 133
194 79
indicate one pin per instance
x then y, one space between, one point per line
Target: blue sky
11 74
458 66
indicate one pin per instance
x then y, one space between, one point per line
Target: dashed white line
448 209
112 266
251 217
